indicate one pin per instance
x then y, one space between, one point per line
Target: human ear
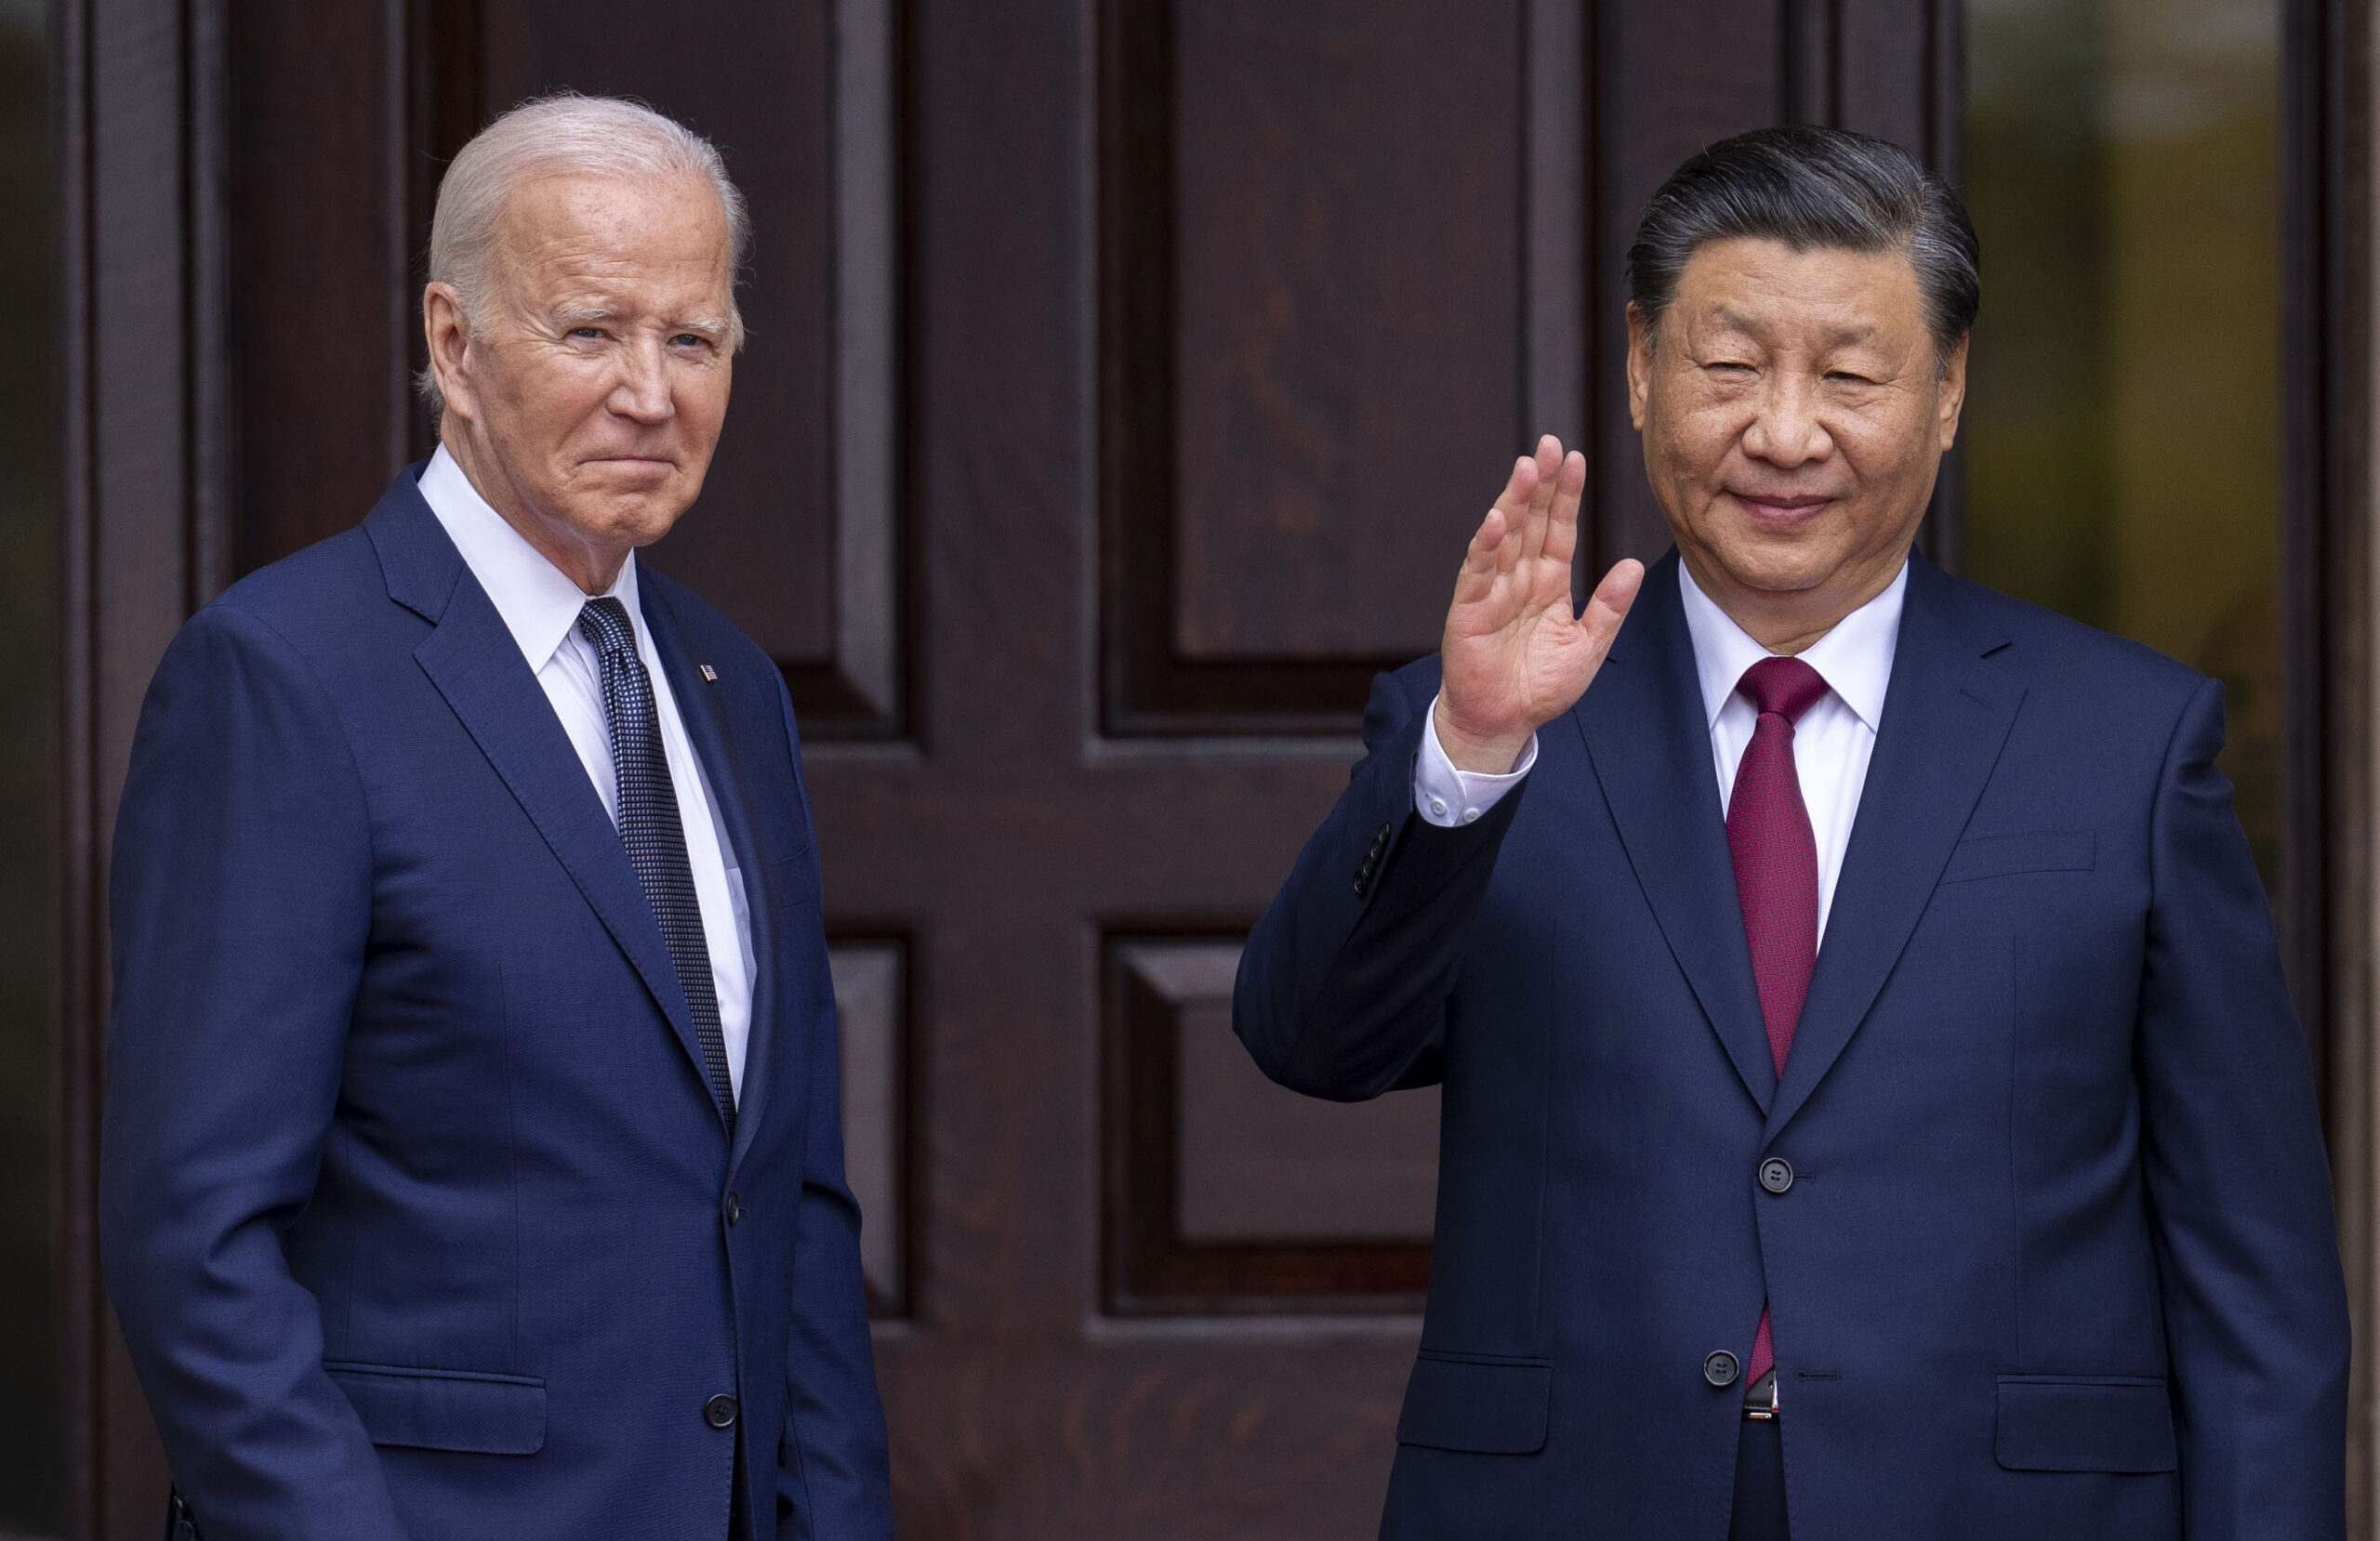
1640 365
1951 396
447 332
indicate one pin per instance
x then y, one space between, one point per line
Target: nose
643 393
1786 431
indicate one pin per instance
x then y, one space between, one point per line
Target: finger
1477 579
1562 528
1515 548
1519 488
1607 606
1548 462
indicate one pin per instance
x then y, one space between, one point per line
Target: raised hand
1514 656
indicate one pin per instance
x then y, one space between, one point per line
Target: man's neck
1790 622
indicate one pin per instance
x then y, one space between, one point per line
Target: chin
1775 571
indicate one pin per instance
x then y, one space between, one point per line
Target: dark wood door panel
317 302
1315 341
1224 1195
1348 260
1247 1434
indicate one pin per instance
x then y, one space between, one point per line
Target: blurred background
1126 377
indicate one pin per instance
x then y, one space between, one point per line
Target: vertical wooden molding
1811 61
138 149
75 1246
207 78
867 354
1555 196
2329 582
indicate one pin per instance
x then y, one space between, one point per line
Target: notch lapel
476 664
1650 743
1947 715
702 711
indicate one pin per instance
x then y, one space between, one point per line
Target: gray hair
1813 188
564 135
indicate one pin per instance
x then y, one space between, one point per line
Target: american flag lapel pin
709 673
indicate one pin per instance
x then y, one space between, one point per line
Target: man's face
1793 411
594 384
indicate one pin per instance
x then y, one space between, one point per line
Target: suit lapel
1947 714
702 711
478 667
1650 743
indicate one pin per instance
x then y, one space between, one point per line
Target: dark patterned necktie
649 827
1777 871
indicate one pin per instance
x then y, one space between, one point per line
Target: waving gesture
1514 656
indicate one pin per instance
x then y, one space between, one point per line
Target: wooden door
1126 377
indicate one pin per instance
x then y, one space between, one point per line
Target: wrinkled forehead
1820 298
665 229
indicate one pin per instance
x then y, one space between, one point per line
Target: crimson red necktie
1776 871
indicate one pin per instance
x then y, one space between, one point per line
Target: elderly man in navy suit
472 1164
1872 1103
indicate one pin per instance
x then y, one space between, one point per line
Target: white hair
564 135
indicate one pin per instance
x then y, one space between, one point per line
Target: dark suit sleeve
2239 1197
1343 987
834 1479
241 903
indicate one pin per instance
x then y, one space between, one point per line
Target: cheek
1695 437
562 398
702 403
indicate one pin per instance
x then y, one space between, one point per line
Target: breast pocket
2005 855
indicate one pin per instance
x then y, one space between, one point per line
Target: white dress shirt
1831 743
540 607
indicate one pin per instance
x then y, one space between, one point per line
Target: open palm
1514 656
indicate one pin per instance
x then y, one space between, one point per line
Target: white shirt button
1470 814
1437 808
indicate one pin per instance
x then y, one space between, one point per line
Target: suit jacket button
1721 1369
1776 1174
720 1411
734 1208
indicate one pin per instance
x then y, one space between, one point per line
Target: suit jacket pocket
2084 1423
1487 1406
2001 855
466 1410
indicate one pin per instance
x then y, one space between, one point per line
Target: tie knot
1786 686
605 623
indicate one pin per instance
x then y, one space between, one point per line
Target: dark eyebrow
1839 336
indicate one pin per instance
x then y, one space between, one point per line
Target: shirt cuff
1447 797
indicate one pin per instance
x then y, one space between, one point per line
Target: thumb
1607 606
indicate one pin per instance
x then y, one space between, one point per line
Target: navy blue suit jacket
413 1197
2058 1259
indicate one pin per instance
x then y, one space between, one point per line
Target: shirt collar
538 601
1855 658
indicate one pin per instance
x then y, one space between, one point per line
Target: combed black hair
1812 188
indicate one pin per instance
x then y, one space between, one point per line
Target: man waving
1872 1107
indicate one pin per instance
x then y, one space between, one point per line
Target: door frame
138 92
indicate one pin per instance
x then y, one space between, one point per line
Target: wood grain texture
315 270
1315 235
1349 336
1224 1195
